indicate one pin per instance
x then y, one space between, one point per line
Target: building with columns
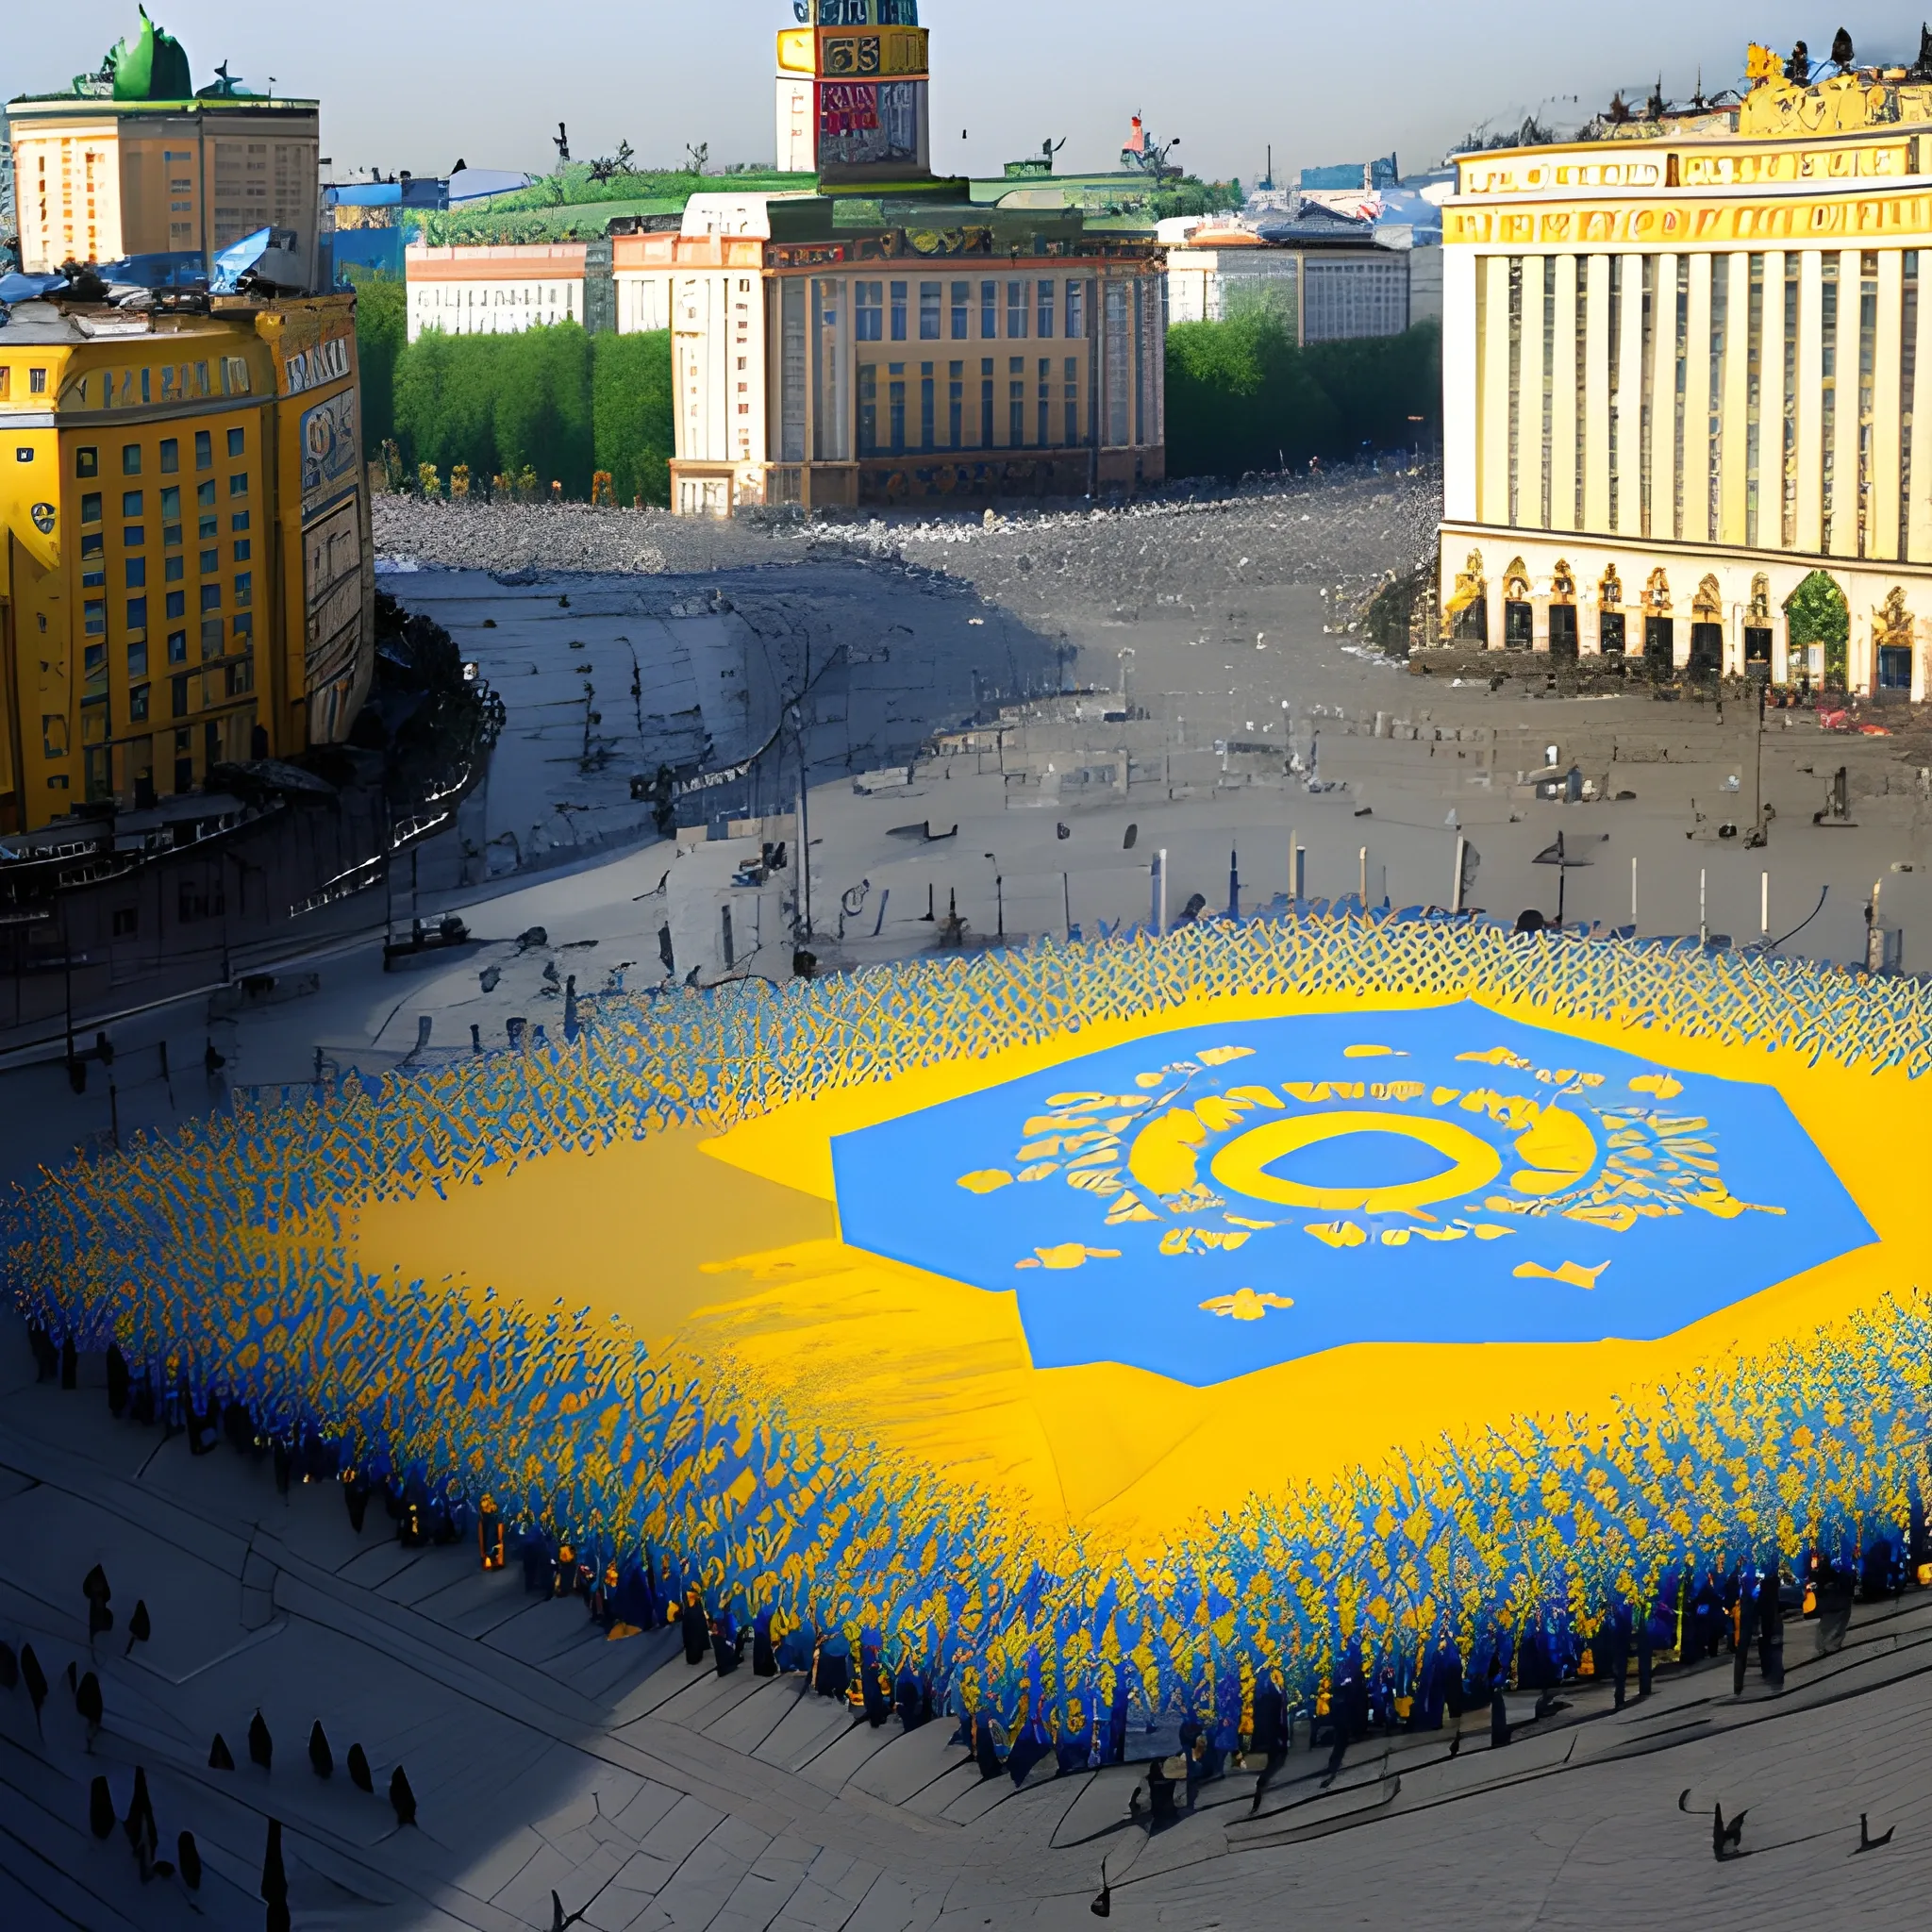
1682 370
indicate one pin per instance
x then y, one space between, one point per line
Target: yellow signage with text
854 54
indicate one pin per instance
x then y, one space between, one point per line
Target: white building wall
493 308
644 301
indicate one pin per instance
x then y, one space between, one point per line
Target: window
137 704
94 667
178 600
126 919
177 700
210 638
868 407
136 569
929 294
137 614
137 660
988 311
245 587
1045 310
1016 402
986 400
962 305
899 311
37 382
238 483
171 456
204 450
241 678
895 402
928 425
238 443
956 404
87 462
197 900
90 507
133 536
210 596
130 503
245 632
175 568
94 617
242 551
238 521
210 562
1016 311
171 500
1076 311
205 493
177 643
206 529
1045 401
868 315
131 460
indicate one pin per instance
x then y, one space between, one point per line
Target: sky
404 84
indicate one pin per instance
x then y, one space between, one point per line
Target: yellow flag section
728 1248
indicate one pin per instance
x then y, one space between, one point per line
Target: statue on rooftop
149 65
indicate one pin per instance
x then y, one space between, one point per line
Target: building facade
495 291
1322 291
102 179
186 577
1684 372
819 364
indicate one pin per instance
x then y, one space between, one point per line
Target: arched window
1518 625
1706 631
1659 628
1562 612
1610 639
1892 640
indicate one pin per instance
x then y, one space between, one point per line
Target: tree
632 413
1242 397
1815 614
382 330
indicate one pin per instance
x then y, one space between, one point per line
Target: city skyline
1267 77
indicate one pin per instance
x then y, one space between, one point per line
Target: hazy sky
408 84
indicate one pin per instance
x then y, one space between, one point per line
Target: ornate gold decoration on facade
1760 599
1892 624
1562 584
1657 594
1470 590
1610 591
1516 582
1708 606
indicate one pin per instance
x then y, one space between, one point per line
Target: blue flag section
1212 1200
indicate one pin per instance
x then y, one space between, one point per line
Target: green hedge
382 332
550 399
1241 396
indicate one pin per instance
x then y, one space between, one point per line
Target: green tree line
551 399
1242 395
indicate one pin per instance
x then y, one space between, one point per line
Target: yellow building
1685 369
185 570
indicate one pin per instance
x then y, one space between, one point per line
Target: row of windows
435 295
1665 342
87 458
945 310
1041 411
228 671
